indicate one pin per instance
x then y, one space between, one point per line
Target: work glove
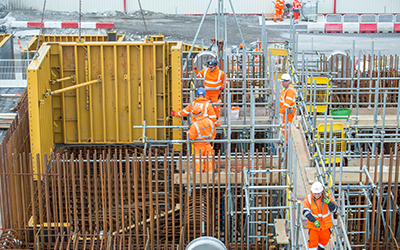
316 224
326 200
194 68
172 113
221 88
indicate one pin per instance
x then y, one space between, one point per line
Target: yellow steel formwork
4 38
40 110
31 46
128 82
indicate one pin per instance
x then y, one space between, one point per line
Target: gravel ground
173 27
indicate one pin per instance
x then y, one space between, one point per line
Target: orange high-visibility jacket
319 210
280 4
206 110
202 129
296 4
212 80
287 99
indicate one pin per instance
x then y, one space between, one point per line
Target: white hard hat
317 187
285 77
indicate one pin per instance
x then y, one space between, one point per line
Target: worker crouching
318 207
202 129
213 82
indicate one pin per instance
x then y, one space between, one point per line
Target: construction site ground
184 27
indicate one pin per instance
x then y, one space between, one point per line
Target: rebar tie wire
40 32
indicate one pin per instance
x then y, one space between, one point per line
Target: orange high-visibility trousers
318 238
289 120
215 99
203 157
278 13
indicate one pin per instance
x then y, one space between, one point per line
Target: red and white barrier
385 27
351 28
368 28
61 25
396 28
333 28
315 28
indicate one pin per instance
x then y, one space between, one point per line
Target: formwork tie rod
63 79
48 93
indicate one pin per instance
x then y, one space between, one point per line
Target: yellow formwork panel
184 46
338 132
4 38
278 52
40 109
322 94
154 38
176 90
135 79
124 84
31 46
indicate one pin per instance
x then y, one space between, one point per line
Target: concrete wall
199 7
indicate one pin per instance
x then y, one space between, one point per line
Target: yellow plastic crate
322 94
338 132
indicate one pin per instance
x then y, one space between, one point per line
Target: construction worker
287 103
317 209
296 10
213 82
203 103
279 6
257 57
202 129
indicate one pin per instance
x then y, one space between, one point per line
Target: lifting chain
144 22
40 31
80 18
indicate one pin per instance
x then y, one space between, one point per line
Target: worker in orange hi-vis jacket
279 6
317 208
287 103
257 57
203 103
296 10
202 129
213 82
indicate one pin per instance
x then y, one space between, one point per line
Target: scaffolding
364 143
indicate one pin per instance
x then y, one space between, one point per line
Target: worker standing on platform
202 129
279 6
317 209
203 103
287 103
257 57
296 10
214 83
